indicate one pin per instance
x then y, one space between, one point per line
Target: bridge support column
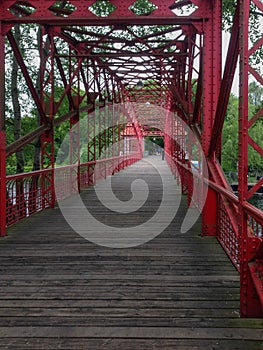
211 87
47 97
209 215
2 139
75 134
250 254
2 183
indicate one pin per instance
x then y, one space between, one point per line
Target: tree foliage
230 134
255 30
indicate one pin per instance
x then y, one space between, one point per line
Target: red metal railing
228 231
29 193
227 228
26 194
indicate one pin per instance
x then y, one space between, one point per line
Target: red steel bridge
156 62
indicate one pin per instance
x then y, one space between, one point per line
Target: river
257 201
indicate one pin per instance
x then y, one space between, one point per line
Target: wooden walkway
177 291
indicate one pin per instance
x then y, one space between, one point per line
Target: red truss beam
60 21
212 71
63 78
79 48
81 9
196 120
2 139
211 60
226 85
47 95
151 51
29 82
251 241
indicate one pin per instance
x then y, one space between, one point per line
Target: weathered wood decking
60 291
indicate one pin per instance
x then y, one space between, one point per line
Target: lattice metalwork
227 235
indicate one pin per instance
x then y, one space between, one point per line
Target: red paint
2 184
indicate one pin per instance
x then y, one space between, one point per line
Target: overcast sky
225 42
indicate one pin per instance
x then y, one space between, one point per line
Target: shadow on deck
176 291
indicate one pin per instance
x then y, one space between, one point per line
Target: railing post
2 183
47 100
2 139
250 305
211 84
210 212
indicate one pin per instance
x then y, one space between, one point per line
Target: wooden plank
132 303
128 344
120 312
217 285
116 296
130 321
132 332
126 277
119 288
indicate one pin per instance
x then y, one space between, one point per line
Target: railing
33 192
244 249
227 227
26 194
227 232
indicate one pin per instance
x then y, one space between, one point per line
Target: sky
225 42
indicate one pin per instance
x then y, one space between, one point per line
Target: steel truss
176 67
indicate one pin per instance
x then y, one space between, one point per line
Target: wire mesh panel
227 235
26 195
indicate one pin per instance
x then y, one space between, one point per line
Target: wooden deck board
60 291
130 344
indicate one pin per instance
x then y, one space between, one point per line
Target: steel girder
2 139
251 242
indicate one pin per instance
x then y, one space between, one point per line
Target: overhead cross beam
226 85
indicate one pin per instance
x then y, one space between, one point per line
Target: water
257 201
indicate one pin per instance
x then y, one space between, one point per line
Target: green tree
255 94
230 137
16 105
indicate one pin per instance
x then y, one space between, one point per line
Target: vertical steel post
74 125
249 303
243 153
211 85
47 99
2 139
